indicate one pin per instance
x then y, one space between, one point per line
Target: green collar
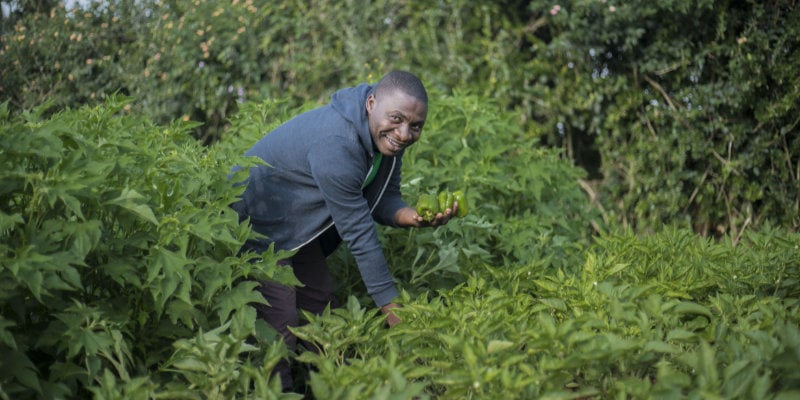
374 170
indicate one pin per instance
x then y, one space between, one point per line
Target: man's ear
370 103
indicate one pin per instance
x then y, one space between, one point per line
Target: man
332 173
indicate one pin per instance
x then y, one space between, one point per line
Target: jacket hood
350 103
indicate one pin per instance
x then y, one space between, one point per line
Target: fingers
443 217
391 318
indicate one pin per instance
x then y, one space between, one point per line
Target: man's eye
395 118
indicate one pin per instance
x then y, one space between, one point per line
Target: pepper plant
116 243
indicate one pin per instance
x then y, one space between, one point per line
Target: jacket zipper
380 196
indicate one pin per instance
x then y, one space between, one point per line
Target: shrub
689 105
116 242
667 316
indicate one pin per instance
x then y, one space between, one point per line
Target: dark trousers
312 271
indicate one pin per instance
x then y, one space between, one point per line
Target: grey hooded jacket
317 165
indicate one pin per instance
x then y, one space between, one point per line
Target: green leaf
129 200
17 365
658 346
738 377
241 295
85 236
6 337
34 280
498 345
558 304
469 356
687 307
191 364
680 335
91 341
8 222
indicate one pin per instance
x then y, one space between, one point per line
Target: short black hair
405 81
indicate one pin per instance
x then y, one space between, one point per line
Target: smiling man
332 173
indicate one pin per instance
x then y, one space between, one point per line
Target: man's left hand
408 217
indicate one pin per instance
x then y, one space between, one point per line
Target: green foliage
690 106
624 328
68 58
525 200
116 241
682 111
119 273
201 60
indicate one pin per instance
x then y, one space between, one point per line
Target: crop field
121 280
632 170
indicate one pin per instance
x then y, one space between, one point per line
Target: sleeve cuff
385 296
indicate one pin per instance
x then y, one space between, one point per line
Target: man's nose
404 131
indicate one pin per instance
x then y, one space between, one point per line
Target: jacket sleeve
338 169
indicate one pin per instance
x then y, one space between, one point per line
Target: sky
6 6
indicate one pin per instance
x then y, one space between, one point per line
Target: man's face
395 120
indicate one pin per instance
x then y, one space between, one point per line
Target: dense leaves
689 105
122 279
681 111
116 241
668 316
119 268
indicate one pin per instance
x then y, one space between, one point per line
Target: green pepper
445 200
427 207
460 198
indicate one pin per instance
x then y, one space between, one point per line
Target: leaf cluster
525 201
680 111
710 325
116 241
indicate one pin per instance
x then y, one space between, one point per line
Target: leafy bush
117 242
119 273
68 58
200 60
690 106
681 111
525 201
625 327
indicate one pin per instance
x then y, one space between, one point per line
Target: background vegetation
634 169
681 111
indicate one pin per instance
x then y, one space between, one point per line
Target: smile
395 143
